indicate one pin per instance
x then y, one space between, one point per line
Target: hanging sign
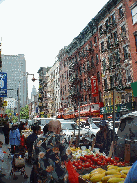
94 85
3 84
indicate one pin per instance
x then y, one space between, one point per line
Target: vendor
104 138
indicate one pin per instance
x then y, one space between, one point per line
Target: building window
126 53
95 39
65 87
90 44
108 43
123 31
134 14
100 30
102 46
113 19
105 84
110 60
128 75
115 36
135 35
100 96
85 97
97 59
104 66
92 62
90 97
117 57
111 82
88 65
121 13
98 76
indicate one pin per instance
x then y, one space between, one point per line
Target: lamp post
79 122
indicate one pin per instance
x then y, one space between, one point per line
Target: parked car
127 134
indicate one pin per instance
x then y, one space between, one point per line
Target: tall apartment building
64 80
34 92
115 54
53 92
15 67
84 64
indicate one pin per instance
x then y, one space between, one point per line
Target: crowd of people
49 151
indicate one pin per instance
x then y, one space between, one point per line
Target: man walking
50 155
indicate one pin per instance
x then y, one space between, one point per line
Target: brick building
85 63
115 53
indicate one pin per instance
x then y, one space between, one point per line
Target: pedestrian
132 174
1 159
26 126
33 175
30 140
6 130
104 138
14 138
50 155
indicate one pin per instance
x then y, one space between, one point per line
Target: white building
53 89
11 103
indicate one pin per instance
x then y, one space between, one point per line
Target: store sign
118 108
3 84
94 85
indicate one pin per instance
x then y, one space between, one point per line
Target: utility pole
79 127
113 120
18 94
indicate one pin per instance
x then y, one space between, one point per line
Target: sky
39 29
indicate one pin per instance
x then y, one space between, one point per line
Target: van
127 134
42 121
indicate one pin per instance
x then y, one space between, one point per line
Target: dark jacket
106 142
29 142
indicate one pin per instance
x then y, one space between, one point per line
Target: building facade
106 51
115 54
15 67
42 106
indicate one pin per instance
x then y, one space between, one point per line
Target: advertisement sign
94 85
3 84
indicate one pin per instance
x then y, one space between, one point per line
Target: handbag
19 162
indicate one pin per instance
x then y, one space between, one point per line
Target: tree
24 113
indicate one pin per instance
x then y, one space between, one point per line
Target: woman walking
14 138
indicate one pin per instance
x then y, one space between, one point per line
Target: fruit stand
95 167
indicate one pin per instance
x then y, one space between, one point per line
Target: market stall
91 166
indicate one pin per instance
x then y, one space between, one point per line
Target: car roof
132 114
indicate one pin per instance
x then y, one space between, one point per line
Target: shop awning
134 88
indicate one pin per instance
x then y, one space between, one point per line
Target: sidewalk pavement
7 166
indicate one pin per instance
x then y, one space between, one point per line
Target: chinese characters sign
3 84
94 85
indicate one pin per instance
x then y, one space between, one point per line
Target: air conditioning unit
95 44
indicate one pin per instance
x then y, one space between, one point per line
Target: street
7 167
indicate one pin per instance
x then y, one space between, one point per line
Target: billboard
3 84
